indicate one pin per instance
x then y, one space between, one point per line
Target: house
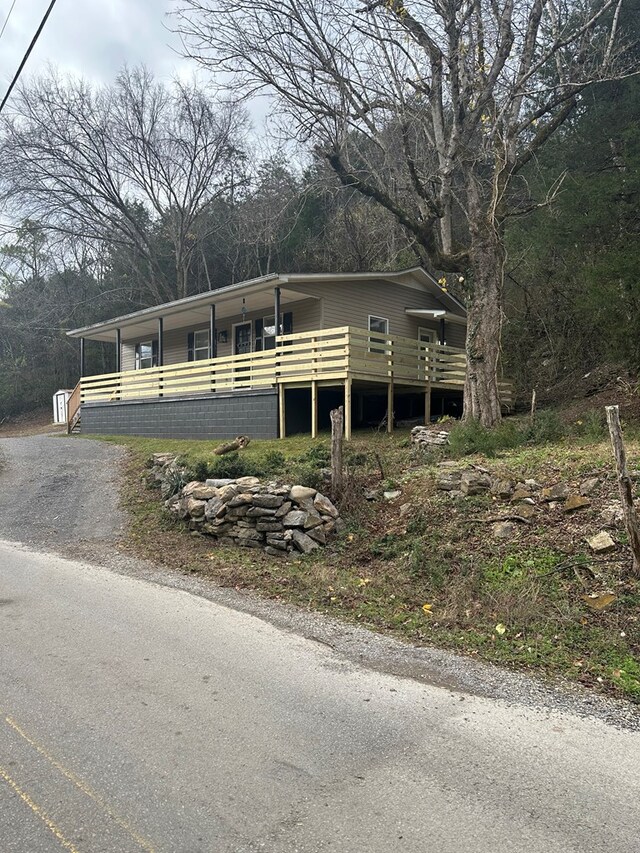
215 365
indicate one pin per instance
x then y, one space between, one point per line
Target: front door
242 339
242 346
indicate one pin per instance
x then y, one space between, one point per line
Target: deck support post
314 409
82 358
427 406
347 408
282 420
390 407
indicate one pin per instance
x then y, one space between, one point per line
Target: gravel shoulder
61 495
57 493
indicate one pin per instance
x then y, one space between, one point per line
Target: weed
547 426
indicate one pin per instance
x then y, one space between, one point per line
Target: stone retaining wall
277 518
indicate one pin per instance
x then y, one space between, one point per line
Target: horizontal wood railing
323 355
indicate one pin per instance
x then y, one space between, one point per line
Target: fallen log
239 443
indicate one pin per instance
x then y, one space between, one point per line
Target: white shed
60 400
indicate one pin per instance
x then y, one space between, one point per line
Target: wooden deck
312 359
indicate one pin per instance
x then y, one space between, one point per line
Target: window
269 332
265 330
146 354
378 324
201 345
198 345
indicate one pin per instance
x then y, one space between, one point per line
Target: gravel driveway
59 493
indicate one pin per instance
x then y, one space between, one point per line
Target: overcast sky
91 37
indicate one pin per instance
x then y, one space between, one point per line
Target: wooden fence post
624 484
337 423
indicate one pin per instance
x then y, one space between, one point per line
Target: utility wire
6 20
28 53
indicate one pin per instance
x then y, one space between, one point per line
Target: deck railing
324 355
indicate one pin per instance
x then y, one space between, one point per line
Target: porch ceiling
180 317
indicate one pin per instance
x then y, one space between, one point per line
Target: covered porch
354 362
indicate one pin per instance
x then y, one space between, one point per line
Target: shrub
592 425
547 426
471 437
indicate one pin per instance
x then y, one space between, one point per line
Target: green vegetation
425 567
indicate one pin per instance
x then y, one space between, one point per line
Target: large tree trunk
484 326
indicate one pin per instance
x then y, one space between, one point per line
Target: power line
6 20
28 53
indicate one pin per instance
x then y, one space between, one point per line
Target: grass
425 566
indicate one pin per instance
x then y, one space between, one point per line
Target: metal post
118 350
160 342
213 344
276 308
82 358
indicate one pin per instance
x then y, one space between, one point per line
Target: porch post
82 358
276 309
118 350
314 408
347 408
160 342
441 334
213 344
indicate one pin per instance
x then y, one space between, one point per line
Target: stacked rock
278 518
429 436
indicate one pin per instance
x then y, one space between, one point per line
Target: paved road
138 717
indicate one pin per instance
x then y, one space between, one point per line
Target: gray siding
336 304
306 318
350 304
215 416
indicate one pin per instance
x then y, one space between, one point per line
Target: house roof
228 300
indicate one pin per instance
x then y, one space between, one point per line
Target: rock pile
278 518
429 436
527 500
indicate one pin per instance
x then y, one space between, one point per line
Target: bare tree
122 164
429 107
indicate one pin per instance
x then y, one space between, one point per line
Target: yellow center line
36 809
142 842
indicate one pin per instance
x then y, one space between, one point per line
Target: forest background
247 208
